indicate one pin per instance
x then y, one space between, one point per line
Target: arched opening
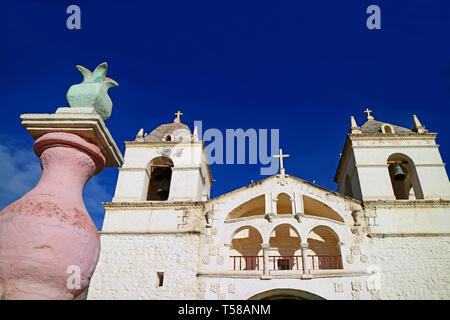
160 177
284 204
323 249
316 208
285 294
285 252
387 128
348 187
253 207
404 179
246 249
168 138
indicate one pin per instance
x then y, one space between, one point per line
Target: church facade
384 235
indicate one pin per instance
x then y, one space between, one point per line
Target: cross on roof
178 114
369 117
281 156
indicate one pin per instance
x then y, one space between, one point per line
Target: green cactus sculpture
93 91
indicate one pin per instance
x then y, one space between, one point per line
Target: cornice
165 144
152 205
385 136
406 204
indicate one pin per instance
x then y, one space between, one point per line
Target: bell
163 192
399 175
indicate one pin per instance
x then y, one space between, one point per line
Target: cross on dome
178 114
369 117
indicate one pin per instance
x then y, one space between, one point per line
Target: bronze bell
399 175
163 192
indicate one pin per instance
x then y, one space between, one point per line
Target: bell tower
381 161
169 164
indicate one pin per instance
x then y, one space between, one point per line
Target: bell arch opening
285 294
404 179
160 178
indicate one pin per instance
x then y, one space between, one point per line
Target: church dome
170 132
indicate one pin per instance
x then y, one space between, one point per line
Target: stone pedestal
49 245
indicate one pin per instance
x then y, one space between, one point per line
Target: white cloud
20 171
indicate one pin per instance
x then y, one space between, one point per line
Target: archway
252 207
404 179
246 249
323 249
160 177
285 251
284 204
286 294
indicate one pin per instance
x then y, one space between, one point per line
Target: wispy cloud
20 171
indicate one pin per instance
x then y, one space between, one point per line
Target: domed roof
170 132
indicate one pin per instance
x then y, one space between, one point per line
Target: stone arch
252 207
284 203
285 250
160 169
246 249
285 294
317 208
387 128
405 186
324 248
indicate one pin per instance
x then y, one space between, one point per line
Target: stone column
305 263
266 248
269 206
49 245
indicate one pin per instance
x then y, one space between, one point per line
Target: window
387 128
160 279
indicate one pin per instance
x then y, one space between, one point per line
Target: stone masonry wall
413 267
128 267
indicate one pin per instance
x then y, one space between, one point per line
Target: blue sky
299 66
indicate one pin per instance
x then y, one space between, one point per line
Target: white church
384 235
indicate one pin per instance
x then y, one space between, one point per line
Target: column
305 263
265 247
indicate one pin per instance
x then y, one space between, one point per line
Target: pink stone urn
49 245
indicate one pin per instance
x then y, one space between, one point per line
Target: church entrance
285 294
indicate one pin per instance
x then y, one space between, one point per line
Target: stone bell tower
169 164
381 161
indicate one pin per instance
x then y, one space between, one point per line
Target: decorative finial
177 119
369 117
354 126
195 134
418 127
140 135
93 90
281 156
